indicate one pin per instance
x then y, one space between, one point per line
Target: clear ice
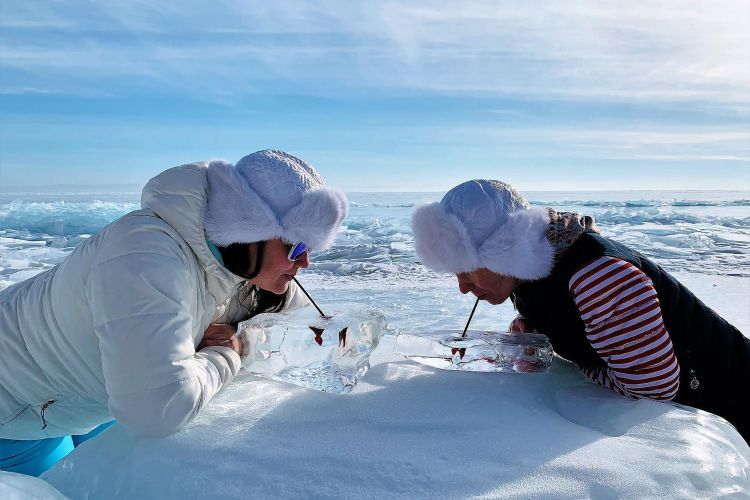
479 351
300 347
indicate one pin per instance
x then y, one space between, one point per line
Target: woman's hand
219 334
519 325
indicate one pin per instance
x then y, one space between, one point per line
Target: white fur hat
271 194
484 224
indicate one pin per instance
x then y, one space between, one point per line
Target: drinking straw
470 316
311 299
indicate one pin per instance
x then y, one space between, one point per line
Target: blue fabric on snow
34 456
77 440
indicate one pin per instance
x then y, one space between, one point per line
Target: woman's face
487 285
277 270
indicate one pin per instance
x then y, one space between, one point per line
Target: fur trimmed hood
484 224
271 194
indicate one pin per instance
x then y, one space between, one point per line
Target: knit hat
271 194
484 224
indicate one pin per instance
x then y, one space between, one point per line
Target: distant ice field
701 236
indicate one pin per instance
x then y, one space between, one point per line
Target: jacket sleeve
143 302
623 321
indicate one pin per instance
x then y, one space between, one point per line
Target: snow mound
22 487
411 431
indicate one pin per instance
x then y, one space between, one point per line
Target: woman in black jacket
621 318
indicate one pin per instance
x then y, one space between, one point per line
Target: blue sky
381 95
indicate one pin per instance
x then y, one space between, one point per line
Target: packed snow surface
411 431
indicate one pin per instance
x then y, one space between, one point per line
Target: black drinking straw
311 299
470 316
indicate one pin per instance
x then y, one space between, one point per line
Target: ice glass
478 351
300 347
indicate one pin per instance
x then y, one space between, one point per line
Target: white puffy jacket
113 330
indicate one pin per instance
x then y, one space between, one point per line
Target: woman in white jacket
136 324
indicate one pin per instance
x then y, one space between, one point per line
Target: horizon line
31 189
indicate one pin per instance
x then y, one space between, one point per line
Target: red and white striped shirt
621 311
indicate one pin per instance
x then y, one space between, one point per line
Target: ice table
482 351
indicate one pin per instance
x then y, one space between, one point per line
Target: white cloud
660 143
644 50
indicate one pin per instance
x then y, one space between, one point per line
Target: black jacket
714 356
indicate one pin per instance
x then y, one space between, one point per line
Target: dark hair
243 259
252 301
264 301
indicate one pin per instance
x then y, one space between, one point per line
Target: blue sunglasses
297 249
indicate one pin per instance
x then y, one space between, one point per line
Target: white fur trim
316 218
235 213
441 241
520 247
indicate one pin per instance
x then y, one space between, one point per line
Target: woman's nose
464 287
303 260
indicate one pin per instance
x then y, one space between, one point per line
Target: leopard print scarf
565 228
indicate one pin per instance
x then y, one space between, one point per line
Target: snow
408 431
21 487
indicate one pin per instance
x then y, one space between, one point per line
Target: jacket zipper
688 357
694 382
44 408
